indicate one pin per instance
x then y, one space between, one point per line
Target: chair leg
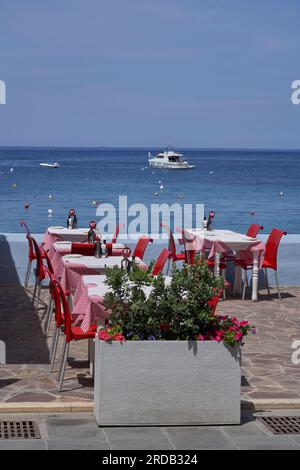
245 284
267 280
62 370
28 272
277 284
38 296
49 316
34 292
224 290
54 348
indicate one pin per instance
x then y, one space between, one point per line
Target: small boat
170 160
50 165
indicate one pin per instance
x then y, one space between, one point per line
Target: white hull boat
50 165
169 160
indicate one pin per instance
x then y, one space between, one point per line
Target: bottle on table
210 220
92 232
98 249
105 249
72 219
125 263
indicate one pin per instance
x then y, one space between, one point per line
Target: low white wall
14 256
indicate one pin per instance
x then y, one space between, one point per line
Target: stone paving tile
266 359
264 443
74 429
53 444
23 445
143 438
202 438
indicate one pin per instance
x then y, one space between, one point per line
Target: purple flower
151 338
253 330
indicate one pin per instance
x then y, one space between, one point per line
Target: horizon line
102 147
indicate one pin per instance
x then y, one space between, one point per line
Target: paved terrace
268 372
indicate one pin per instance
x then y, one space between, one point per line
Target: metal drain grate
19 430
281 424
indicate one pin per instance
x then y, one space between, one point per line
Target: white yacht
170 160
50 165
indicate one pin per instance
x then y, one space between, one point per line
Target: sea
241 186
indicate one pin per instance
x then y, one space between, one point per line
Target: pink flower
105 335
200 338
238 336
219 336
233 328
243 323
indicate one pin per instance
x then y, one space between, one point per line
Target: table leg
255 276
91 353
217 264
237 289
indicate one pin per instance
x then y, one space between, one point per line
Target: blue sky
196 73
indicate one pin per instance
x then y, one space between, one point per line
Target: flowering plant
111 333
179 310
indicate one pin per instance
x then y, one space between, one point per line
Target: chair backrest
272 245
37 255
253 230
141 246
86 249
188 247
115 236
63 314
172 244
31 252
24 225
161 261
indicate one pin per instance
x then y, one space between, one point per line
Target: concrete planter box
158 383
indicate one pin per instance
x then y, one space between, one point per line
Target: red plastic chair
115 236
172 245
31 253
141 246
40 271
270 260
86 249
71 332
253 230
161 261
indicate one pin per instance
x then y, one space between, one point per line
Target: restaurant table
218 242
74 266
54 234
61 248
88 305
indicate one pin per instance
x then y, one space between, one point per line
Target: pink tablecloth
74 268
61 248
71 274
88 309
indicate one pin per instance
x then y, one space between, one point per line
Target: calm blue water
242 181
